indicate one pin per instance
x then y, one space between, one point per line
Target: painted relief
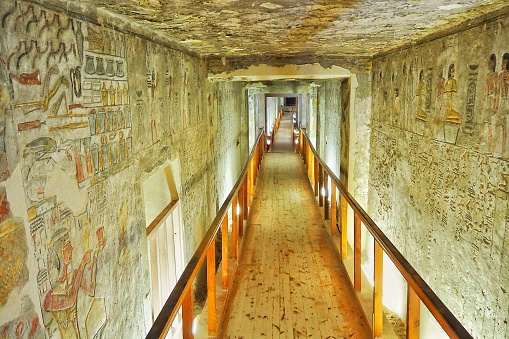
13 252
490 103
62 275
439 100
435 98
421 93
442 194
157 113
409 96
14 275
345 127
52 226
452 115
79 75
186 114
5 119
471 97
503 106
170 124
26 326
61 299
69 98
81 104
106 96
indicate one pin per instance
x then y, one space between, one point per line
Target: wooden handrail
153 225
182 291
440 312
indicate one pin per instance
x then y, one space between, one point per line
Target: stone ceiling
289 28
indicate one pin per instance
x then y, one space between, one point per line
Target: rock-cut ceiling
289 28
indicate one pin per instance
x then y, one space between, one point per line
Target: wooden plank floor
283 139
289 283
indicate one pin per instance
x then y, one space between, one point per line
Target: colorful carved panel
439 170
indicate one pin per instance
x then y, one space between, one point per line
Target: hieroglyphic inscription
470 109
447 188
106 95
382 171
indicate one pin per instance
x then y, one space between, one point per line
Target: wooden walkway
283 140
289 282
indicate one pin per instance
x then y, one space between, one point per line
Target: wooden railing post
224 251
292 137
413 315
245 197
303 151
240 202
262 144
250 183
311 165
357 252
187 315
253 177
258 157
334 209
316 172
255 170
378 311
235 227
320 185
326 195
344 227
301 147
211 289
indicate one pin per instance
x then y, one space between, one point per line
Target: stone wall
359 138
234 146
329 103
439 168
87 111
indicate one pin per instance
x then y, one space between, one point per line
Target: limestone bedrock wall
329 95
86 111
344 108
438 180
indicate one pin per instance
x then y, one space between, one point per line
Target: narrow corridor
289 282
283 139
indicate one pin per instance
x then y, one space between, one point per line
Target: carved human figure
490 105
421 89
439 100
397 107
4 102
503 79
62 299
451 87
380 97
391 119
408 96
